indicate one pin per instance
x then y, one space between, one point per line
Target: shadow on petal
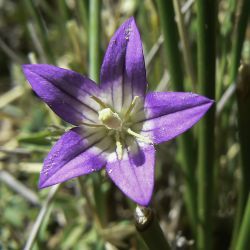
136 154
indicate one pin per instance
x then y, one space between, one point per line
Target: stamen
119 148
139 137
92 125
100 102
132 105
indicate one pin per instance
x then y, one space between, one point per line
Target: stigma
110 119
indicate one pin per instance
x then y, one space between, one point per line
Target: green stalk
206 17
94 71
243 101
94 39
185 43
149 229
240 27
83 10
243 241
174 63
222 68
242 13
170 33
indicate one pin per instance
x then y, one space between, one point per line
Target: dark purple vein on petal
82 151
175 111
68 93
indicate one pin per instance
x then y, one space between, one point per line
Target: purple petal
168 114
66 92
134 174
78 152
123 73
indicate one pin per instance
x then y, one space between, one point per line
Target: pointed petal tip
169 114
132 19
31 68
26 67
209 102
208 99
212 101
143 202
129 20
44 184
41 184
142 199
134 178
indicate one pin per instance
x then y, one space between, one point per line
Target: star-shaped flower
117 123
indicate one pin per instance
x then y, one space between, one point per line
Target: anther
100 102
119 149
92 125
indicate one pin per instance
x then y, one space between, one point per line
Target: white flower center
117 125
110 119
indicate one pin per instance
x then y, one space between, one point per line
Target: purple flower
117 123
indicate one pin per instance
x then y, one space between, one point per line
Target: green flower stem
170 34
206 17
149 229
94 39
242 11
243 101
243 241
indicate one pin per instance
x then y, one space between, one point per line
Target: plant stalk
170 34
206 17
94 39
243 101
185 43
243 241
241 19
149 229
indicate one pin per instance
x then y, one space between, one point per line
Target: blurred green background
94 214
